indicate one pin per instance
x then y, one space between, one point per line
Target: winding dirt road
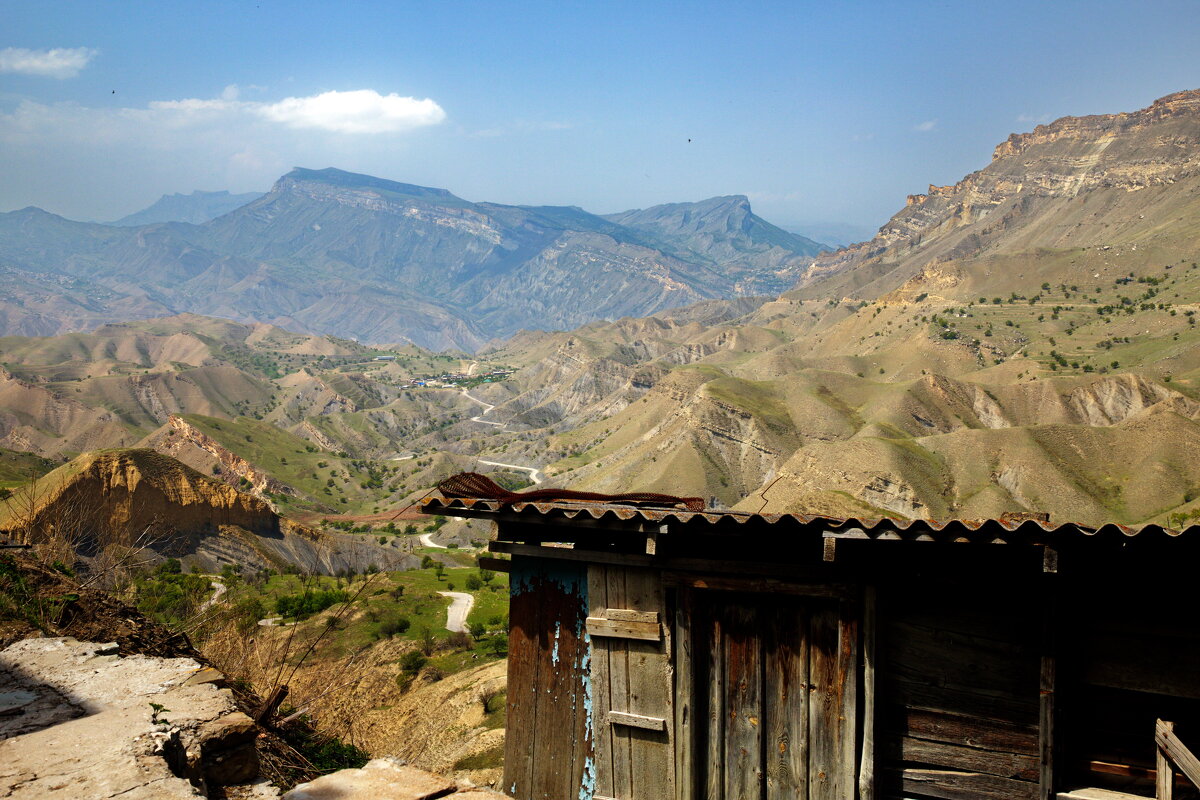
427 540
535 474
486 408
456 615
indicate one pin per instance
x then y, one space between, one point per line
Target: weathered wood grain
743 705
969 759
524 624
785 703
601 686
637 721
866 762
623 629
650 686
684 660
618 678
956 785
1173 748
714 755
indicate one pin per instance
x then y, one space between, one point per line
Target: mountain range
327 251
196 208
1025 339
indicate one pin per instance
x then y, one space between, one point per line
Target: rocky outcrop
81 721
260 481
1125 153
111 491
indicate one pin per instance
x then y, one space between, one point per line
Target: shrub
412 662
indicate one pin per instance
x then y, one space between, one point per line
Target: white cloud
61 62
76 159
926 126
361 111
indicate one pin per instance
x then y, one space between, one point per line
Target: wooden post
1164 776
685 698
866 764
1047 680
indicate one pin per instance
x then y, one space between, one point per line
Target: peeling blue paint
527 577
588 786
572 579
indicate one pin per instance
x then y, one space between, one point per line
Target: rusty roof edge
598 512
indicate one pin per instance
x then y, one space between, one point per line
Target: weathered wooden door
773 691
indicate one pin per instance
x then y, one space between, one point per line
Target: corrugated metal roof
734 522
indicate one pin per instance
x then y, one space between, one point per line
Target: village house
663 653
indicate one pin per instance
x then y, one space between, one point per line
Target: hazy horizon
814 112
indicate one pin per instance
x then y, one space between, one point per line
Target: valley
1024 340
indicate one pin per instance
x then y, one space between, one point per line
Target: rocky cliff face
1010 202
181 434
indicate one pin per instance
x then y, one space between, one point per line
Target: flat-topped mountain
328 251
725 232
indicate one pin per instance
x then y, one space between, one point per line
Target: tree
486 575
473 583
439 569
478 631
412 661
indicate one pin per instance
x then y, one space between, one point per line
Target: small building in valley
662 653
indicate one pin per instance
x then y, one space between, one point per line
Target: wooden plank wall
775 714
631 676
548 750
957 692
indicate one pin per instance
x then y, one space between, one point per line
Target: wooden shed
725 656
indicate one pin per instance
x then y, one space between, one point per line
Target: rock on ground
77 720
387 779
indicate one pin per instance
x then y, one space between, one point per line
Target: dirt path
427 540
535 474
456 615
212 601
486 408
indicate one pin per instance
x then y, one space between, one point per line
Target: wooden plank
866 761
714 743
618 676
519 744
823 725
969 759
629 615
601 686
847 710
785 701
494 564
651 691
986 734
559 683
1181 757
743 704
685 698
1046 698
755 585
953 785
637 721
620 629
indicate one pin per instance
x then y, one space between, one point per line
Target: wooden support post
866 764
1164 775
1046 687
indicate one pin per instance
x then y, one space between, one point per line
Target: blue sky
820 112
